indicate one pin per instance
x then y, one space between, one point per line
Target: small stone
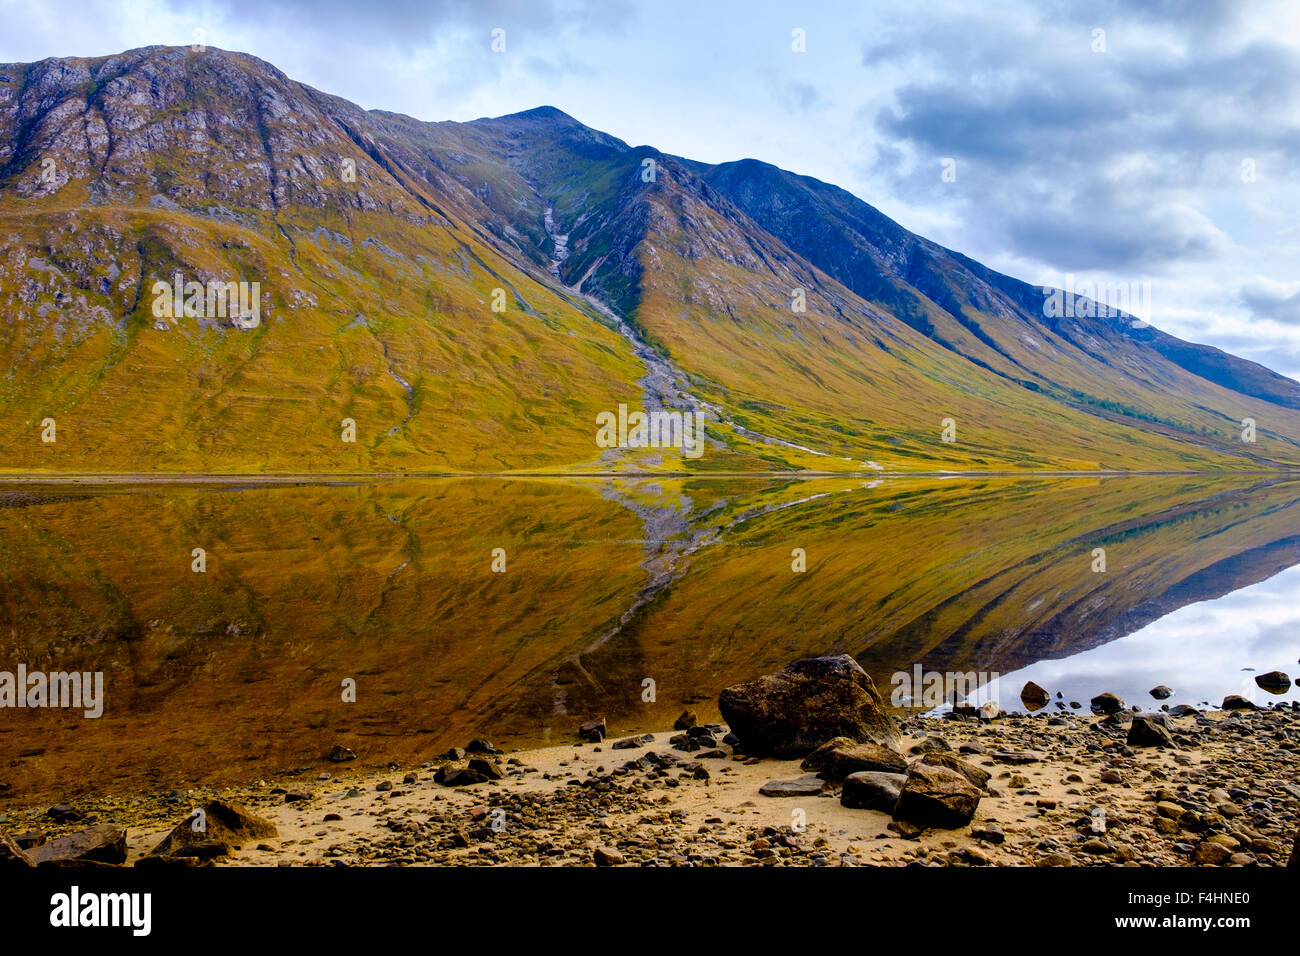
607 856
1161 692
339 754
1211 854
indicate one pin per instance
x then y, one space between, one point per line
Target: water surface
238 672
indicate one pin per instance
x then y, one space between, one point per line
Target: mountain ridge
169 160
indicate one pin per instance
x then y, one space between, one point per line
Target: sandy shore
1232 781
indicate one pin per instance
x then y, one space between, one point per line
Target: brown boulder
796 710
937 797
1275 682
835 760
1107 703
1150 731
103 843
872 790
1034 697
221 828
978 776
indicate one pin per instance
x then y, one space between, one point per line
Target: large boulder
978 776
104 843
836 759
221 828
936 797
872 790
794 711
1107 703
1150 730
1033 696
1275 682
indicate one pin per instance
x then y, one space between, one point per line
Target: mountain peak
543 113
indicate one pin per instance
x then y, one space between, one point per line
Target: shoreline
1230 785
96 479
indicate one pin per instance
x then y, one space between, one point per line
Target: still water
518 608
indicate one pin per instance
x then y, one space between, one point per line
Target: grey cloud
1272 304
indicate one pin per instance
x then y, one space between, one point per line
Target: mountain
380 245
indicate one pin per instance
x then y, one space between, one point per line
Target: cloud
1278 301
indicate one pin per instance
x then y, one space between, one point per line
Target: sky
1148 146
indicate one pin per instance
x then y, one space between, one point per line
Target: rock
937 797
1017 758
297 796
1106 703
1150 732
1182 710
481 745
64 813
1237 702
12 856
686 721
458 776
849 758
593 730
339 754
988 833
1161 692
1111 775
1054 859
224 827
1211 854
455 753
487 769
930 745
821 757
796 710
1275 682
1295 852
808 785
384 786
978 776
1097 847
872 790
104 843
607 856
1034 697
